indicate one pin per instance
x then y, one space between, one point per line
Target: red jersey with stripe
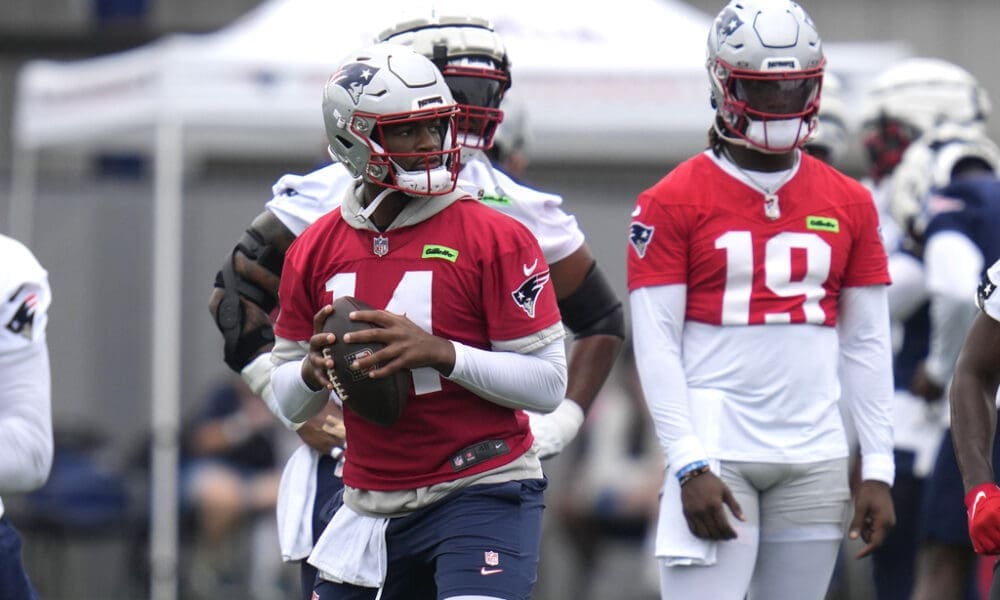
467 273
702 227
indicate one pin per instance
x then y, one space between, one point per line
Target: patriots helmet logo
639 235
726 25
527 293
24 318
353 77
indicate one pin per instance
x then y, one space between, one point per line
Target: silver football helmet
388 85
829 140
912 97
765 63
474 62
929 164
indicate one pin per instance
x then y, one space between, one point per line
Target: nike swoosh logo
529 270
975 504
485 571
638 209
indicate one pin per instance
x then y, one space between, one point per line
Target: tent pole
21 211
165 364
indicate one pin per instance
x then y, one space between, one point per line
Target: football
380 401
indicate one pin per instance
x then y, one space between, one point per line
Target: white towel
352 549
296 495
675 543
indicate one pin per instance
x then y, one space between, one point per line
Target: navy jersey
970 207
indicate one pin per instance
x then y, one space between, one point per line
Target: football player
924 118
947 198
25 398
447 501
829 142
974 418
757 300
476 68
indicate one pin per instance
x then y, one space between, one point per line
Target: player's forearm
295 399
953 266
590 362
973 424
25 420
534 381
973 408
866 375
658 323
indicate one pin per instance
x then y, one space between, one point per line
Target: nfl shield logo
491 558
380 246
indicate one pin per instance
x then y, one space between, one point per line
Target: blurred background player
608 509
951 229
477 70
916 104
974 419
26 445
742 362
829 142
447 501
229 475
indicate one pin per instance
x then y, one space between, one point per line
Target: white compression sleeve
534 381
293 397
953 266
257 376
657 327
25 419
866 375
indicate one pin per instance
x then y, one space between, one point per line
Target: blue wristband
698 464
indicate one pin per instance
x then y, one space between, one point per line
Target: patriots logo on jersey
527 293
24 318
639 235
727 24
986 289
354 77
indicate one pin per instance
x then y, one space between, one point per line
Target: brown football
380 401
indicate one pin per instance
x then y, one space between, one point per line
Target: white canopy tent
623 85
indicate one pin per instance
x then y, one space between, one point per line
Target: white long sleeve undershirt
25 419
865 371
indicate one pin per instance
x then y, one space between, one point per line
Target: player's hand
983 506
555 430
325 430
703 499
874 515
924 387
407 345
316 363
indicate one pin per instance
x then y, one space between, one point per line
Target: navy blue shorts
944 519
480 541
14 583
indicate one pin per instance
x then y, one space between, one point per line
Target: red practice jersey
701 227
469 274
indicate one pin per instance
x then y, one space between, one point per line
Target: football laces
331 374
